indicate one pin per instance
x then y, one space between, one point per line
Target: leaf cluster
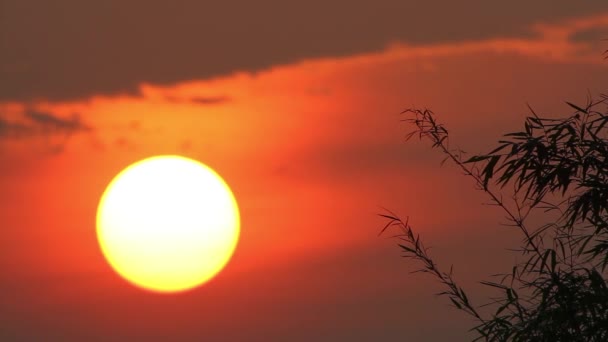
558 292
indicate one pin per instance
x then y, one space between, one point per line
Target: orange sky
312 150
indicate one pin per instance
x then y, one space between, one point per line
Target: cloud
210 100
303 101
564 41
202 100
67 49
31 123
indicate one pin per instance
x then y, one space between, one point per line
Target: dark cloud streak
211 100
203 100
34 123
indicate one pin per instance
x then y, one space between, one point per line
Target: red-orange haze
312 151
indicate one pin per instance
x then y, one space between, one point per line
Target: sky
297 105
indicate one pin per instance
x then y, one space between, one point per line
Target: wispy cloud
201 100
210 100
31 123
561 41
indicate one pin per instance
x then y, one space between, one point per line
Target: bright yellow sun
168 223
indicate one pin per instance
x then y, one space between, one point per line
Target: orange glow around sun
168 223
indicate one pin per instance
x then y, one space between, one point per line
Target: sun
168 224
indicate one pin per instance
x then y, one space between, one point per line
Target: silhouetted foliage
558 167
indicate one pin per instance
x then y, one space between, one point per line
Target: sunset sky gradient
298 108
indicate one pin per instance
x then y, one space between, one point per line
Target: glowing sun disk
167 223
